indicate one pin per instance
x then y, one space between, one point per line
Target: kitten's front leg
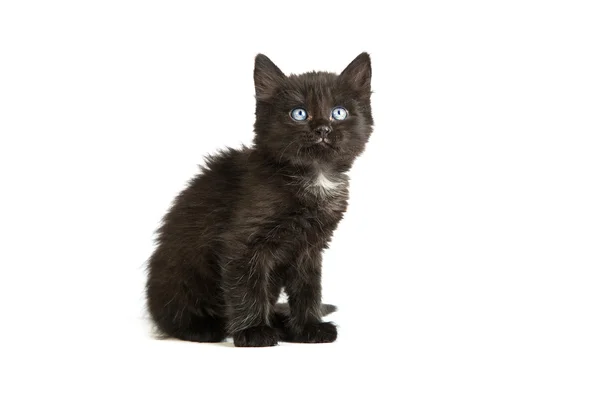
303 287
248 301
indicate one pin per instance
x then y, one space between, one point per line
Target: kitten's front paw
322 332
258 336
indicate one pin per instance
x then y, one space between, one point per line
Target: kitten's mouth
324 143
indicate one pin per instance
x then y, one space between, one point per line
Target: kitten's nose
323 130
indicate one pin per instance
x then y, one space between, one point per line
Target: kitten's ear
358 74
267 77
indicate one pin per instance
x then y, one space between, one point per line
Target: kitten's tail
283 309
282 314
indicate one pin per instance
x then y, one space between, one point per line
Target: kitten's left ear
358 74
267 77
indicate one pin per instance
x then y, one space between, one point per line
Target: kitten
256 220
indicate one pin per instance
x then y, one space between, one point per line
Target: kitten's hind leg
191 327
248 299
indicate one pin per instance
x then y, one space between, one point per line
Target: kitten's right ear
267 77
358 74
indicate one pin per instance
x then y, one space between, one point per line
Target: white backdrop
467 265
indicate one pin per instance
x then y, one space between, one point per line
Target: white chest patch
322 182
322 185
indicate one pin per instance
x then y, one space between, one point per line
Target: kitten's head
316 117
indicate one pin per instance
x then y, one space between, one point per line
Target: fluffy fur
256 220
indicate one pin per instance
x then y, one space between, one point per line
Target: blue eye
339 113
299 114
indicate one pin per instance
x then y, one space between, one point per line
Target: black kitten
256 220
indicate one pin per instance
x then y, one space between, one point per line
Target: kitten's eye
339 113
299 114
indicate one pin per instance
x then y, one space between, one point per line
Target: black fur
256 220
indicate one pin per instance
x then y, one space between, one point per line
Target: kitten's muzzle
323 131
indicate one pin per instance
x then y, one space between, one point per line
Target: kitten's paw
322 332
258 336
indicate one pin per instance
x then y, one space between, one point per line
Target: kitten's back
183 290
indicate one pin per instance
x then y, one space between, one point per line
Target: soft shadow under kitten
256 220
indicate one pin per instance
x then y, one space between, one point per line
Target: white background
467 265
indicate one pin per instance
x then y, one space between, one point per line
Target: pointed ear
357 74
267 77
